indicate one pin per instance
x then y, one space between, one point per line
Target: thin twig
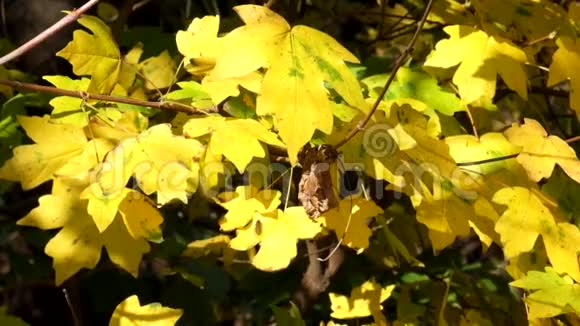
382 20
405 17
75 318
572 139
471 121
408 49
140 4
66 20
163 105
489 160
548 37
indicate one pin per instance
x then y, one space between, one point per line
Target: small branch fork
162 105
316 279
398 63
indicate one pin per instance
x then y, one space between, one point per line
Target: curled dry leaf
315 188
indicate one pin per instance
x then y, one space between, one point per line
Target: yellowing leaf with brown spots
540 152
299 61
141 217
526 218
131 313
79 243
58 149
95 55
481 57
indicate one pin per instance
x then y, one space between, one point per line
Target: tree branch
35 41
163 105
316 279
408 49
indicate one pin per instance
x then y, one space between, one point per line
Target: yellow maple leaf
200 44
531 19
94 54
122 248
220 89
131 313
200 248
159 71
481 58
365 300
141 216
565 66
451 12
468 148
243 203
550 294
446 217
129 125
129 66
213 172
349 221
79 243
103 207
526 218
409 158
56 145
278 234
299 61
229 136
540 152
161 162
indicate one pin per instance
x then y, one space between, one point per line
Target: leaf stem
408 49
162 105
47 33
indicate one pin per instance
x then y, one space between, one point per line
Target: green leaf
69 110
238 106
566 191
193 92
551 294
418 85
